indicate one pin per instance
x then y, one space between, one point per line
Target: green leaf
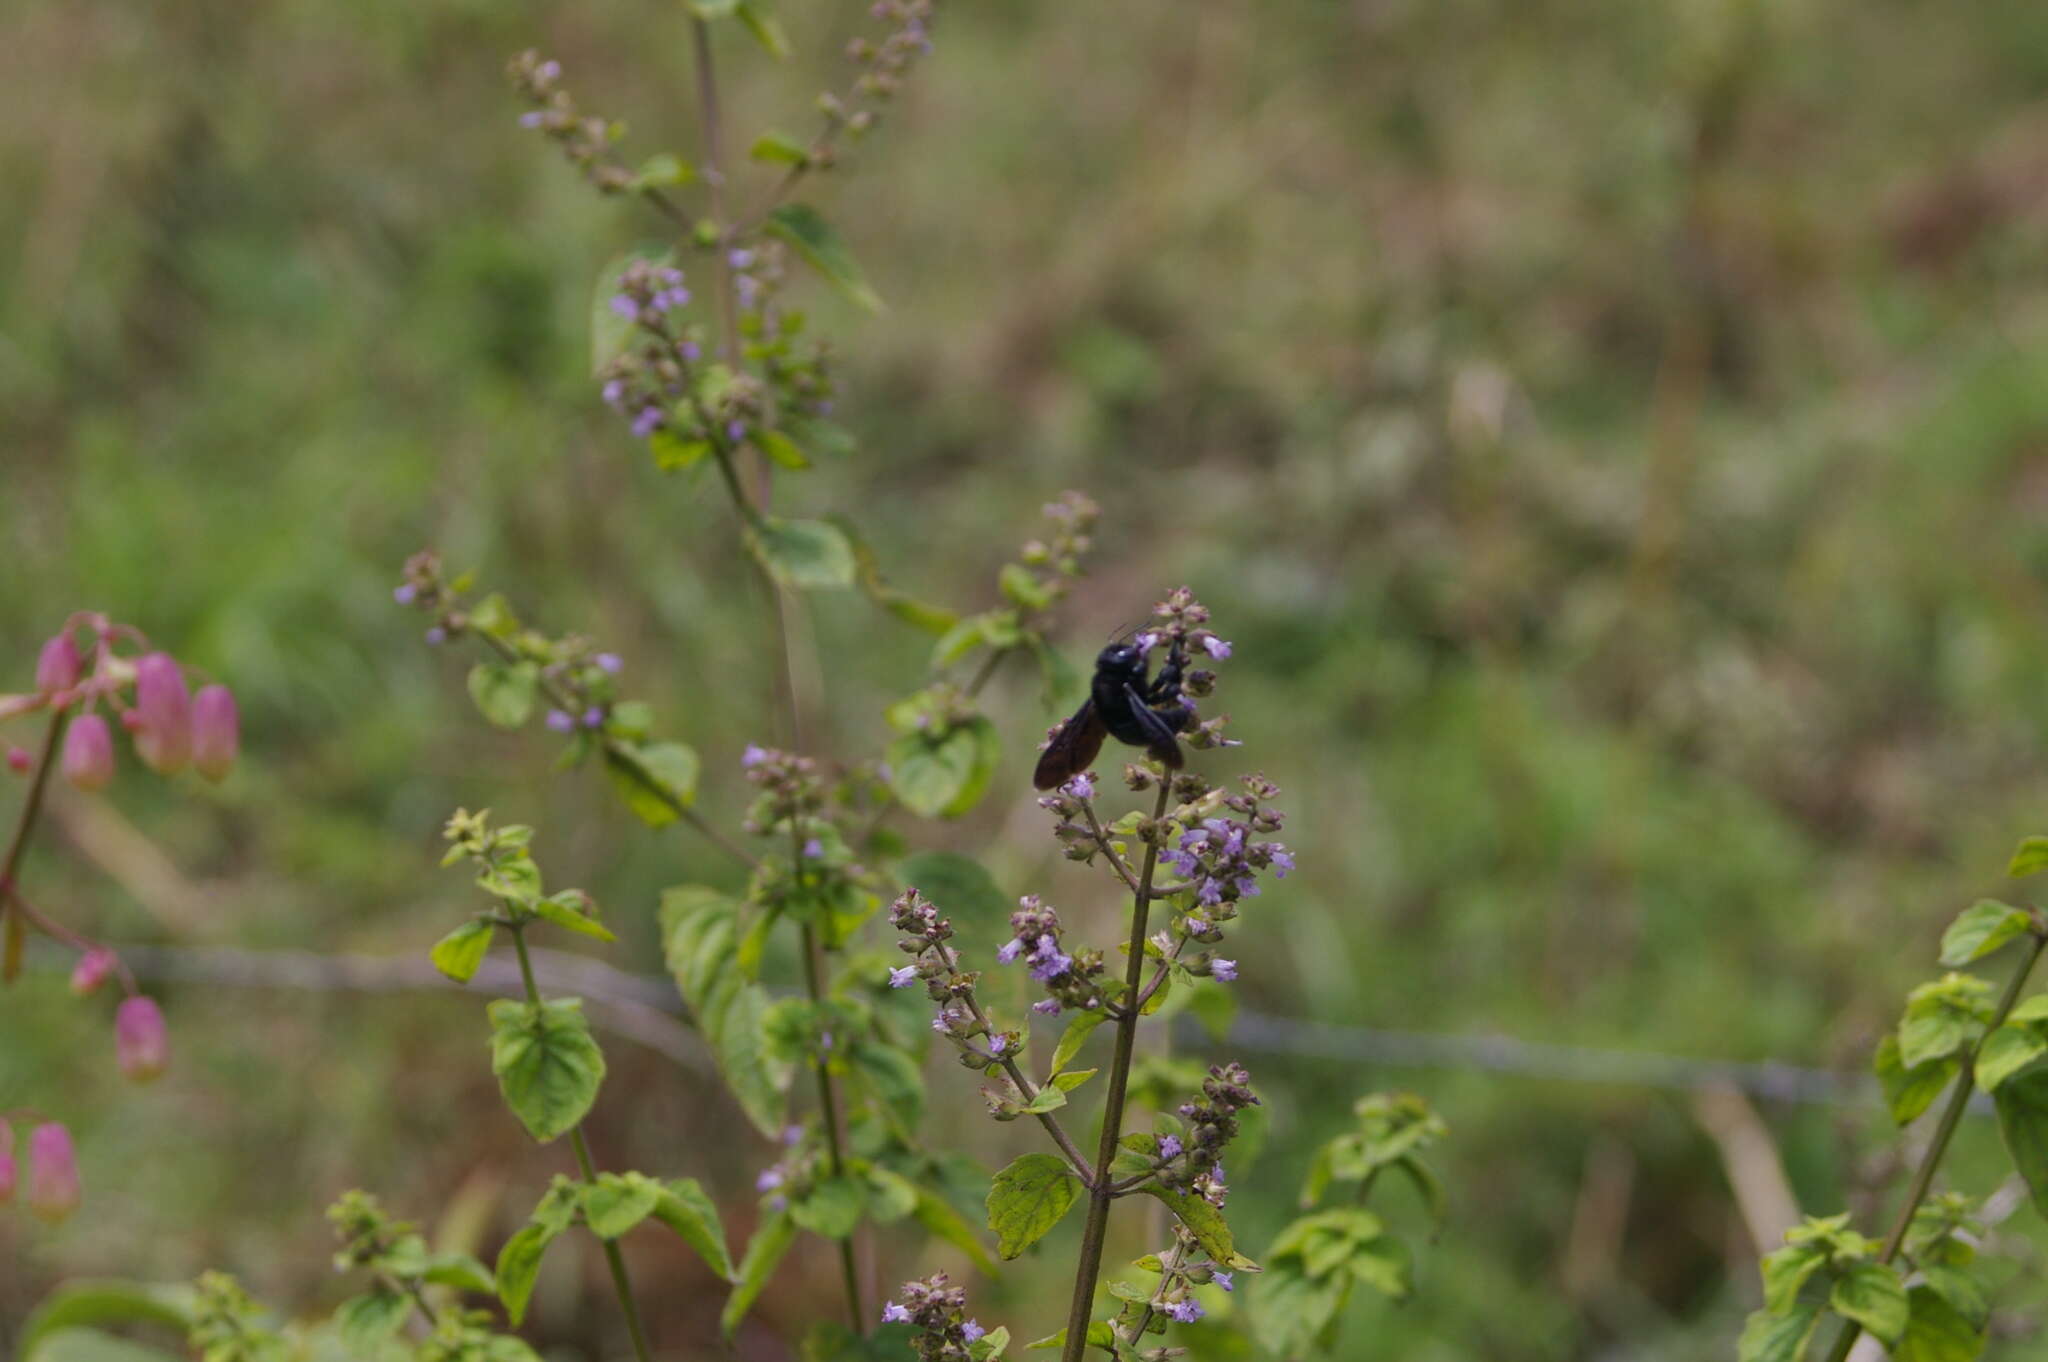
961 887
462 1272
1777 1338
1062 686
832 1208
616 1202
494 616
1937 1332
1873 1296
895 1079
1383 1265
711 10
936 1215
567 909
366 1322
556 1210
699 928
1021 587
459 954
804 555
1959 1289
1908 1092
779 147
685 1209
548 1066
1077 1033
1203 1221
822 248
1027 1199
781 449
1980 929
2005 1052
1214 1006
2031 856
519 1268
90 1301
990 1345
1787 1269
1049 1098
655 779
891 1196
958 640
674 454
766 29
1067 1082
943 774
90 1345
1942 1017
772 1238
2023 1119
1291 1312
663 170
504 691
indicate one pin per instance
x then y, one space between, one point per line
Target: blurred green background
1614 434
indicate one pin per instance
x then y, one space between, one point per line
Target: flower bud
216 731
89 752
8 1172
57 667
53 1192
140 1039
19 761
91 971
163 709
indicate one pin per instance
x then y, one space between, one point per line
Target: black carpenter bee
1122 704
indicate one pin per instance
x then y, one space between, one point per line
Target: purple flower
623 304
1247 887
216 731
1045 964
436 636
902 978
89 752
593 717
1223 1279
1081 786
1009 950
532 119
405 595
560 721
739 259
942 1024
548 71
736 431
1216 1172
1145 642
1211 892
613 390
1187 1311
770 1179
1169 1146
1197 924
971 1330
893 1313
998 1043
141 1044
692 352
754 755
813 849
1046 1007
1216 647
163 714
610 662
53 1190
1223 970
792 1135
1283 861
647 422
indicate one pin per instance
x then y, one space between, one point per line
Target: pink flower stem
13 924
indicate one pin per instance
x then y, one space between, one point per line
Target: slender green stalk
615 1260
1102 1192
1951 1117
15 923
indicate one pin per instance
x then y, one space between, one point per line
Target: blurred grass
1615 435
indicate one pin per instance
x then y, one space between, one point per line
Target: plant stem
1951 1117
714 179
613 1258
1102 1192
828 1101
13 923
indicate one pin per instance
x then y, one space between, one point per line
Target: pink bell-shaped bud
89 752
216 731
163 714
141 1041
9 1174
57 667
91 971
53 1190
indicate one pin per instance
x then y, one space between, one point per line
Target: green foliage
824 250
701 935
548 1066
1027 1199
806 555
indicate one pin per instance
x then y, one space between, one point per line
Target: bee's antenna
1122 631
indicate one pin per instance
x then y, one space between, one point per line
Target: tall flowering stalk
1218 845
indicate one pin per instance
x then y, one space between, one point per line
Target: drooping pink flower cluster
142 689
53 1185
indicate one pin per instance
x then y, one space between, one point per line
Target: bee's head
1124 658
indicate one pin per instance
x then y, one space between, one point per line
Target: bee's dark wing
1158 736
1073 748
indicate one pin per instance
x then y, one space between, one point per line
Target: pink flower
89 752
8 1174
91 971
57 667
53 1191
163 714
141 1042
216 731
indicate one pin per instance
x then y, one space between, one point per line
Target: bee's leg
1166 686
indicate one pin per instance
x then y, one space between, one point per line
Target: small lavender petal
770 1179
754 755
813 849
1009 951
532 119
1169 1146
437 636
1216 647
1223 1279
1224 970
405 595
904 977
593 717
998 1043
624 305
610 662
647 422
971 1331
560 722
1046 1007
892 1313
